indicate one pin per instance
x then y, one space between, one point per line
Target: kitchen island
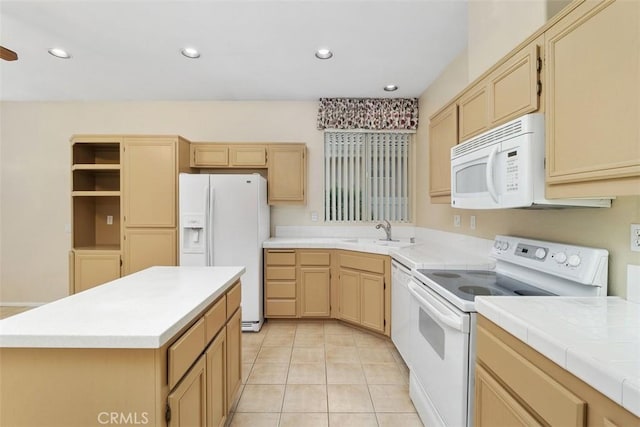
158 347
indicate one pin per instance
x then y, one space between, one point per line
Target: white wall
35 170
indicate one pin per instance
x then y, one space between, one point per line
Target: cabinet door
349 295
247 156
443 134
187 402
147 247
206 155
315 285
217 407
474 111
372 301
287 174
93 268
234 357
593 106
150 180
494 406
513 87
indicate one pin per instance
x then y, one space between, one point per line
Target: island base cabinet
234 357
217 405
187 403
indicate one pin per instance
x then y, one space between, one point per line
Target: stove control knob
560 257
504 246
574 260
540 253
496 244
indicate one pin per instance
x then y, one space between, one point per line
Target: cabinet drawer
247 156
281 307
215 318
185 351
233 298
280 290
281 273
554 403
314 258
374 265
281 258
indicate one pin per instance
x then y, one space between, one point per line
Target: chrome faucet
387 229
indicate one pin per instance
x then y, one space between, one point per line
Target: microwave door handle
489 173
451 321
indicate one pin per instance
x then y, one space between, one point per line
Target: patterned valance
368 113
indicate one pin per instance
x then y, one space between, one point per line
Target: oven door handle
449 319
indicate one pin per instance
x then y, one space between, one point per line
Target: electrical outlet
314 216
472 222
456 220
109 219
635 237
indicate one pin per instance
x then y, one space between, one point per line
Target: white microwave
504 168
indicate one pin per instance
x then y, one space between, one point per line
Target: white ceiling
251 50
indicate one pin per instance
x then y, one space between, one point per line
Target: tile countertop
597 339
425 254
141 310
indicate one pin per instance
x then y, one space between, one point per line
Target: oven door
439 358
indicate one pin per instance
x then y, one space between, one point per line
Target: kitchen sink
379 242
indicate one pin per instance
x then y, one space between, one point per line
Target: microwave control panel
512 170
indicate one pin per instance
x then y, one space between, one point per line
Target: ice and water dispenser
193 234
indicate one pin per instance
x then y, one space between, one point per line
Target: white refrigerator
224 218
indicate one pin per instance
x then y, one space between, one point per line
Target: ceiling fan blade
7 54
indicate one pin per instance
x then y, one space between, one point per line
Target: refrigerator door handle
211 199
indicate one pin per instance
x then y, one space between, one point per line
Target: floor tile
305 398
246 370
353 420
255 420
345 373
342 340
274 354
375 355
305 419
391 398
342 354
396 420
307 373
309 340
307 355
337 329
349 398
261 398
249 353
285 340
383 373
364 339
268 373
252 338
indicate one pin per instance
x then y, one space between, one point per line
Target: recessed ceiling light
323 53
59 53
190 52
390 88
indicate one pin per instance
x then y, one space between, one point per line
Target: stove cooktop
467 284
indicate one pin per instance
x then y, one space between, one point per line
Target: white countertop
595 338
372 245
142 310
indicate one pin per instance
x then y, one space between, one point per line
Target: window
367 176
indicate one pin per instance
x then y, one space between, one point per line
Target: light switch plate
633 283
635 237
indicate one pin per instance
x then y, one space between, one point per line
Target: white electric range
442 315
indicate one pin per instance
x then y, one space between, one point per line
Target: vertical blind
366 176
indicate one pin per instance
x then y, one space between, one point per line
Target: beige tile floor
6 311
321 373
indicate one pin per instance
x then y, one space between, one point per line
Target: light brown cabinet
363 296
188 401
216 359
280 283
234 356
593 106
511 89
95 267
314 277
209 155
146 247
228 155
515 385
443 135
287 174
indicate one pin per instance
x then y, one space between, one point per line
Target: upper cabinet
443 134
593 101
511 89
287 174
228 155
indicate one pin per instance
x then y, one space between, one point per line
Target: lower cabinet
94 267
517 386
341 284
204 395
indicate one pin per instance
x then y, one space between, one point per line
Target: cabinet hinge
167 414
